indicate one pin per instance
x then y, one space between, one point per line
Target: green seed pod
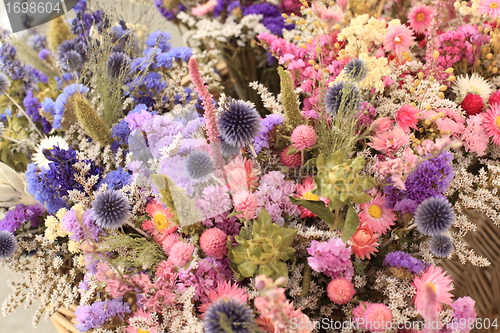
293 117
90 120
59 31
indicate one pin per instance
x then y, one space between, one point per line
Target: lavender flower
267 126
214 200
404 260
32 107
21 215
111 209
331 258
97 314
81 230
8 244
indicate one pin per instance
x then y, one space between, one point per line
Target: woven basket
480 283
64 320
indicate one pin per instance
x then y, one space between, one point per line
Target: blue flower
8 244
441 246
229 315
199 165
161 39
111 209
341 97
239 123
356 70
434 216
116 179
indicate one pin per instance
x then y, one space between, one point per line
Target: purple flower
404 260
230 226
160 39
20 215
267 126
81 228
97 314
32 105
116 179
464 313
214 200
331 258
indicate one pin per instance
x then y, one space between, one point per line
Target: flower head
8 244
180 253
434 216
118 62
491 123
246 202
224 290
438 281
474 84
340 290
4 83
376 215
331 258
377 317
401 259
490 8
303 137
356 70
407 117
229 315
420 18
341 97
364 242
213 243
441 246
464 312
199 165
290 160
111 209
239 123
398 38
71 61
48 143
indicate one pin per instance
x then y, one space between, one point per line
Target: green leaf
351 223
317 207
234 213
247 268
291 150
361 198
360 269
287 235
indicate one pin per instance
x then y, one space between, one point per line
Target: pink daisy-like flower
491 8
246 202
389 141
303 137
420 18
376 215
304 191
141 318
224 290
364 242
399 38
491 123
438 281
407 117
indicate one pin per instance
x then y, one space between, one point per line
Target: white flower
474 84
48 143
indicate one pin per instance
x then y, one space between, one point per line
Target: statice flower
20 215
97 314
331 258
272 20
464 312
267 126
121 132
213 201
81 226
116 179
166 59
230 225
273 195
401 259
429 179
205 278
160 39
32 105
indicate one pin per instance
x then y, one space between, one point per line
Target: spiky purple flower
239 123
441 246
228 313
434 216
111 209
8 244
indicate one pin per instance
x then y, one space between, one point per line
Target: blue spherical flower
441 246
434 216
229 315
4 83
199 165
239 123
342 96
356 70
118 63
229 150
111 209
8 244
71 61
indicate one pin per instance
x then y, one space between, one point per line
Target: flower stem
24 114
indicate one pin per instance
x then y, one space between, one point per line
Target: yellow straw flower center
310 196
160 221
375 211
498 122
398 40
433 287
142 331
493 5
420 17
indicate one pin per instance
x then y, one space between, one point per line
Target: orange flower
364 242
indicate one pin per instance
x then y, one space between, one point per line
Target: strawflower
438 281
376 215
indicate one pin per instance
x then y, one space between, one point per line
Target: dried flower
199 166
303 137
111 209
213 243
434 216
340 290
229 315
8 244
239 123
441 246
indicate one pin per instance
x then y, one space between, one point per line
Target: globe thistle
111 209
4 83
199 165
8 244
340 97
434 216
356 70
71 61
441 246
229 315
229 150
118 63
239 123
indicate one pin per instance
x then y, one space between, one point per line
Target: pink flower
364 242
376 215
330 16
290 160
169 240
474 136
407 117
438 281
399 38
391 168
304 191
241 174
382 124
141 319
389 141
420 18
303 137
224 290
213 243
180 254
340 290
246 202
491 123
204 9
377 317
490 8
